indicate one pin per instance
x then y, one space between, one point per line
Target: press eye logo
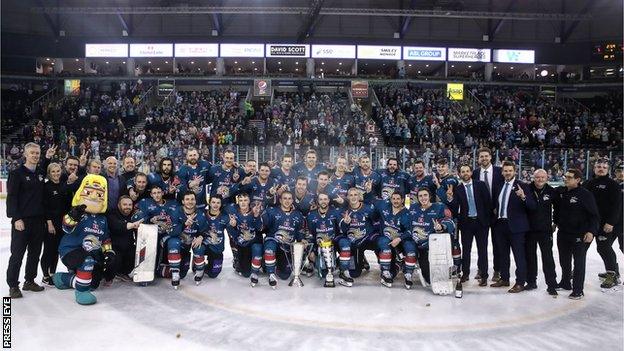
6 322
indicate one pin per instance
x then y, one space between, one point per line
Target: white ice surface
226 313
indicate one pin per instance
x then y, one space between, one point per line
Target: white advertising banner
241 50
378 52
106 50
333 51
196 50
469 55
151 50
514 56
288 50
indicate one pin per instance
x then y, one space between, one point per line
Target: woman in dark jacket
57 202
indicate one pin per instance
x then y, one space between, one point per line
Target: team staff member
57 202
123 236
577 217
619 226
25 208
607 193
541 232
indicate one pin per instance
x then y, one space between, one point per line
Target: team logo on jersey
283 236
223 190
391 233
355 234
546 197
419 234
573 200
601 186
247 235
213 237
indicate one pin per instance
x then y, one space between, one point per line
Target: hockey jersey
360 182
165 215
197 228
223 180
422 221
391 182
215 231
247 229
324 227
258 192
361 226
89 224
414 185
283 227
282 178
394 225
186 173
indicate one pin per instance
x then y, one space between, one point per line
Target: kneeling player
356 229
323 226
209 242
165 215
395 230
427 218
244 231
283 226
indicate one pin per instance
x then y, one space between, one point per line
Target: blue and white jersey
187 173
283 227
426 182
324 227
214 233
197 228
391 182
422 221
89 224
394 225
165 216
282 178
258 192
360 183
361 226
223 180
247 229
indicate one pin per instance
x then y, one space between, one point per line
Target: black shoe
552 291
530 286
564 286
32 286
576 296
478 276
47 281
14 292
464 278
496 276
483 282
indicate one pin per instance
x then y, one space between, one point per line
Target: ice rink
227 314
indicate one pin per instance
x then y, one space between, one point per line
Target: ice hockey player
165 178
356 235
283 225
224 176
395 230
426 218
165 214
194 176
208 244
244 227
323 226
392 179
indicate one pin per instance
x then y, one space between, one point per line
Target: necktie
487 182
503 206
472 206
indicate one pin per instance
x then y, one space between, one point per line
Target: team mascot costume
86 248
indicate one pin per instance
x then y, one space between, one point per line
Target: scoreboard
607 52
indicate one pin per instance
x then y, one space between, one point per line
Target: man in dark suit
471 200
493 178
513 201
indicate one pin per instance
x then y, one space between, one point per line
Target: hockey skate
408 281
198 277
253 279
386 279
273 281
345 279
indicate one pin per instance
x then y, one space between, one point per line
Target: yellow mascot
85 248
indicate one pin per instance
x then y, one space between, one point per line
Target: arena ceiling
527 21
